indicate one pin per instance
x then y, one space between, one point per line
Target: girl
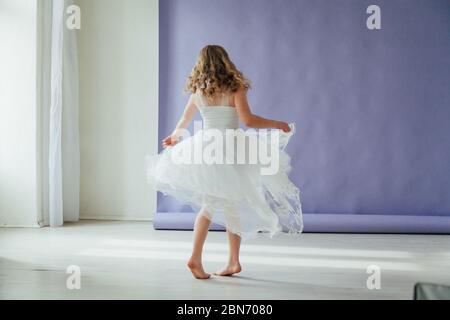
236 196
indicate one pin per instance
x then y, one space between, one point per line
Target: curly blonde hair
215 73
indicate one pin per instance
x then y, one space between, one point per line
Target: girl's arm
189 112
251 120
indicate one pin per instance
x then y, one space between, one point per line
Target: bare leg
201 229
234 242
233 265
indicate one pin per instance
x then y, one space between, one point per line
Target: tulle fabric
236 196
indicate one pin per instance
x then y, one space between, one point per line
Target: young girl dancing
235 195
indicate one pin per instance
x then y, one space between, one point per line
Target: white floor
130 260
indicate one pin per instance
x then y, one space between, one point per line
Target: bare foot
229 270
197 270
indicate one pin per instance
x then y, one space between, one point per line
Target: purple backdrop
372 107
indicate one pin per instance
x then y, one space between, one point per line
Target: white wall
118 47
18 140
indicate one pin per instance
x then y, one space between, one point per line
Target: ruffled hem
237 197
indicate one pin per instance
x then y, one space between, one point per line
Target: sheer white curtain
60 137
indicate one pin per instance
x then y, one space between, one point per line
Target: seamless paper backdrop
372 108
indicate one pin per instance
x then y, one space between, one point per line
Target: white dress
236 195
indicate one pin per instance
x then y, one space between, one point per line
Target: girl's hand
170 141
284 126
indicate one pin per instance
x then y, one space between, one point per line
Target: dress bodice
219 117
218 114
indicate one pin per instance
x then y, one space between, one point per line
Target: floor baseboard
333 223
